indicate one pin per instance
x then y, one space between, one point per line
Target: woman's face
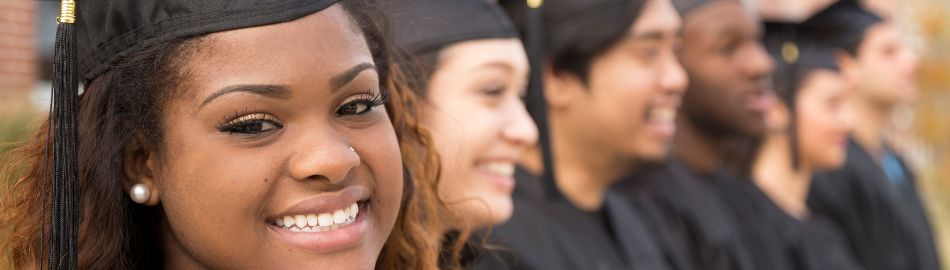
257 171
823 119
480 125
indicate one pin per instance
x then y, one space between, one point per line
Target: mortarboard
842 24
422 26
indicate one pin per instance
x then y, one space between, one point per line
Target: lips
760 100
661 118
498 171
327 222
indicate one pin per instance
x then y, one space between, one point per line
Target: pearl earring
139 193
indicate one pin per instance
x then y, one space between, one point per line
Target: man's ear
139 162
561 88
847 63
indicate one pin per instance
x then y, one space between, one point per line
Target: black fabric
554 234
107 31
694 225
780 241
796 53
885 225
842 24
422 26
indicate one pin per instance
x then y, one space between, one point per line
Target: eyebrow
283 91
654 35
347 76
270 90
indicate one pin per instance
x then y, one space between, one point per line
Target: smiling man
723 108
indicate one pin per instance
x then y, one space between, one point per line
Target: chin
652 152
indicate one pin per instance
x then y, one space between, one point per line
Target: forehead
719 18
476 53
306 51
657 16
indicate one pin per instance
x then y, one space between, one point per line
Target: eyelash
251 123
242 123
370 100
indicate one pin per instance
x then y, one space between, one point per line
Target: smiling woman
196 150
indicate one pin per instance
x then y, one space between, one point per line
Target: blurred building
18 55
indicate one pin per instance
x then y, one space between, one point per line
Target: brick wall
18 58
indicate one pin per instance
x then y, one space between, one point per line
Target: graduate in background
874 197
723 109
807 132
471 69
611 84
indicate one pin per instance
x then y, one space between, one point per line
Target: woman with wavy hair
227 134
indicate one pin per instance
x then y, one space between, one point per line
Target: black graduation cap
422 26
842 24
796 54
103 33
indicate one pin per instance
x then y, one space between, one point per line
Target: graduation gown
552 234
696 229
884 222
779 241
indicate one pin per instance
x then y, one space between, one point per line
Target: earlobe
139 167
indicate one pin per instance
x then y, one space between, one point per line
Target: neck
774 174
697 150
869 128
584 169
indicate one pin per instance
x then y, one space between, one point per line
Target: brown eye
360 104
251 124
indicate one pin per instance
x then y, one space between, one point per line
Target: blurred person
723 109
874 197
806 132
222 135
472 71
611 87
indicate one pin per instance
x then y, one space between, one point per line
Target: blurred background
27 31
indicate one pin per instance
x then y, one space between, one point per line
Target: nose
519 128
758 63
673 78
328 158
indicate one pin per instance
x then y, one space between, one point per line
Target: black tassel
537 105
62 185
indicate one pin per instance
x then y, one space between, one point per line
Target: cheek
201 191
462 135
623 97
820 136
379 150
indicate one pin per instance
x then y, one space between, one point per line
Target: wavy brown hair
125 105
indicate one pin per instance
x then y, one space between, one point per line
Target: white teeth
663 115
312 220
319 222
325 219
288 221
301 221
506 169
339 217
